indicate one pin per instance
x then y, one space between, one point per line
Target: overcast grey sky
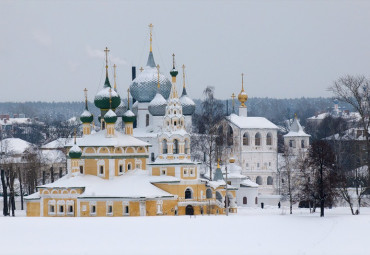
51 51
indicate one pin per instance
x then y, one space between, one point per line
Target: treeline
276 110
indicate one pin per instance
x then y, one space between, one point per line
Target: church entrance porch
189 210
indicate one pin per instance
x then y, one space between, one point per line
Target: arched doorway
189 210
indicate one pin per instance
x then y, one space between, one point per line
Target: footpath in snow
251 231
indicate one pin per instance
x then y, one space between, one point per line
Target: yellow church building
109 173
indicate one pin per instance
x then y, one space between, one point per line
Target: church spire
85 92
183 76
106 61
115 83
151 35
242 97
158 84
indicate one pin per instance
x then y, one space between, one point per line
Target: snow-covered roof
251 122
249 183
319 116
100 139
348 135
59 143
296 129
14 146
52 156
133 184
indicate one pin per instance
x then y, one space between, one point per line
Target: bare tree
289 171
207 126
355 90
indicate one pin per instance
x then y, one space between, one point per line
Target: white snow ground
251 231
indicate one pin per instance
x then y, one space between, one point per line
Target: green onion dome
75 152
128 116
110 117
174 72
102 98
86 117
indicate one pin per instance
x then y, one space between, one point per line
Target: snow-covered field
251 231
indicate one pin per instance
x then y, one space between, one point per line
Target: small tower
296 140
218 173
110 117
86 118
106 98
174 119
129 117
75 154
243 97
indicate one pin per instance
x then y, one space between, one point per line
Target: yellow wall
33 208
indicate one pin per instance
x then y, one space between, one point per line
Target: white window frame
192 172
126 204
68 204
185 172
63 204
108 204
159 207
121 163
52 203
101 163
91 206
138 162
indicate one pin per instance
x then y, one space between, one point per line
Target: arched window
129 166
302 144
269 180
256 200
245 139
187 148
259 180
230 136
175 146
269 139
245 200
188 194
147 120
218 196
257 139
164 146
208 193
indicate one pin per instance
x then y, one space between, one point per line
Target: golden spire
233 101
141 69
242 97
128 98
173 60
106 61
115 84
75 135
158 84
85 92
183 75
151 35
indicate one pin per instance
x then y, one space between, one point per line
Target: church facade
114 173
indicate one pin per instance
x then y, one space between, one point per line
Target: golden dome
232 160
242 97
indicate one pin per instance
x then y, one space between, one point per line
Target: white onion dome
144 87
188 105
75 152
121 109
157 107
110 117
102 98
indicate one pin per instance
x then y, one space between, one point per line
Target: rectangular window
81 169
127 211
93 209
163 172
51 209
110 209
70 209
61 209
120 168
101 170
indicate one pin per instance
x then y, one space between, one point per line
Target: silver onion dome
157 107
188 105
121 109
144 87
